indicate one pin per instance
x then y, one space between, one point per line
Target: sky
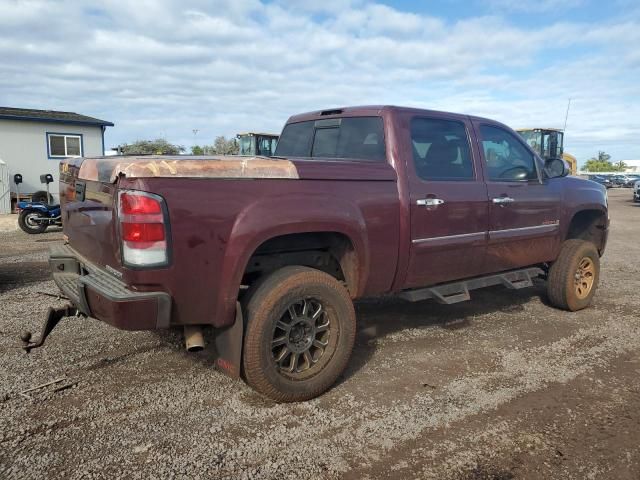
168 67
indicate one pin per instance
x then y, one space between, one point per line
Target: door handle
429 202
503 200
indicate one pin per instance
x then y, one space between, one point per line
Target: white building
32 142
633 166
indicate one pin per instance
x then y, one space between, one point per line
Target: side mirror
556 167
17 179
48 178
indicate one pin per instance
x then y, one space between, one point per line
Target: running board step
455 292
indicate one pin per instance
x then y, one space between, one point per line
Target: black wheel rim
301 337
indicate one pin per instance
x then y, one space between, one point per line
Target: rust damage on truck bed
107 169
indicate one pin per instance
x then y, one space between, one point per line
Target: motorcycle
35 217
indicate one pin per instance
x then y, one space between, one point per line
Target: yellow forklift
254 144
548 142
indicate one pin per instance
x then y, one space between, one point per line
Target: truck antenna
566 117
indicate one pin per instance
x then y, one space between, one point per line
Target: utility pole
566 117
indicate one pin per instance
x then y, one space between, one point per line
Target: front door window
507 159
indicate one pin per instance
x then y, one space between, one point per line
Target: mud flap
228 343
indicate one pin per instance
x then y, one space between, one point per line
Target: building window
64 145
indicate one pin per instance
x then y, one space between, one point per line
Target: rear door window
441 150
357 138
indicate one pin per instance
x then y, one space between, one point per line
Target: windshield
266 146
552 144
245 143
546 143
533 139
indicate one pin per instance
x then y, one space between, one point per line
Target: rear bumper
98 294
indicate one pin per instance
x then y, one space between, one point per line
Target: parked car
631 180
361 201
602 180
625 180
618 180
636 191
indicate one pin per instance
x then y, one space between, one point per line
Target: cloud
164 68
536 6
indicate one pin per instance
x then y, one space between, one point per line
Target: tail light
144 229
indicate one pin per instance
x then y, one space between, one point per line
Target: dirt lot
500 387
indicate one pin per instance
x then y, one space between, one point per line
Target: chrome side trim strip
497 233
449 237
542 228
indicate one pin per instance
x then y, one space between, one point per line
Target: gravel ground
500 387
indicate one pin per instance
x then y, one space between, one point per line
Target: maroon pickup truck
271 252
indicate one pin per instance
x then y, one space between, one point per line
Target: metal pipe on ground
193 338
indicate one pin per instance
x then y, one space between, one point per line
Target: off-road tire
26 227
267 303
562 281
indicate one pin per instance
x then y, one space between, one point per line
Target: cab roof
552 129
257 133
373 110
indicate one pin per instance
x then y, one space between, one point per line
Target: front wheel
573 278
28 222
299 335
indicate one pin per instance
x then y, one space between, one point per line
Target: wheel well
330 252
589 225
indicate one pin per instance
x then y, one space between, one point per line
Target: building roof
29 114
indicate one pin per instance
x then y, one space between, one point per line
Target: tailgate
88 215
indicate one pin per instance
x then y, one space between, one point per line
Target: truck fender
283 215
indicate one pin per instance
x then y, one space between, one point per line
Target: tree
221 146
602 163
158 146
621 166
595 165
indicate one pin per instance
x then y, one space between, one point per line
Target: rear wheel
573 278
28 222
299 335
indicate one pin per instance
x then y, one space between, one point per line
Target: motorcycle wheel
27 223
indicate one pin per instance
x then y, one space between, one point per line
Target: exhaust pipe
193 338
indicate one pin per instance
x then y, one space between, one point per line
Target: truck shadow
385 316
380 317
15 275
